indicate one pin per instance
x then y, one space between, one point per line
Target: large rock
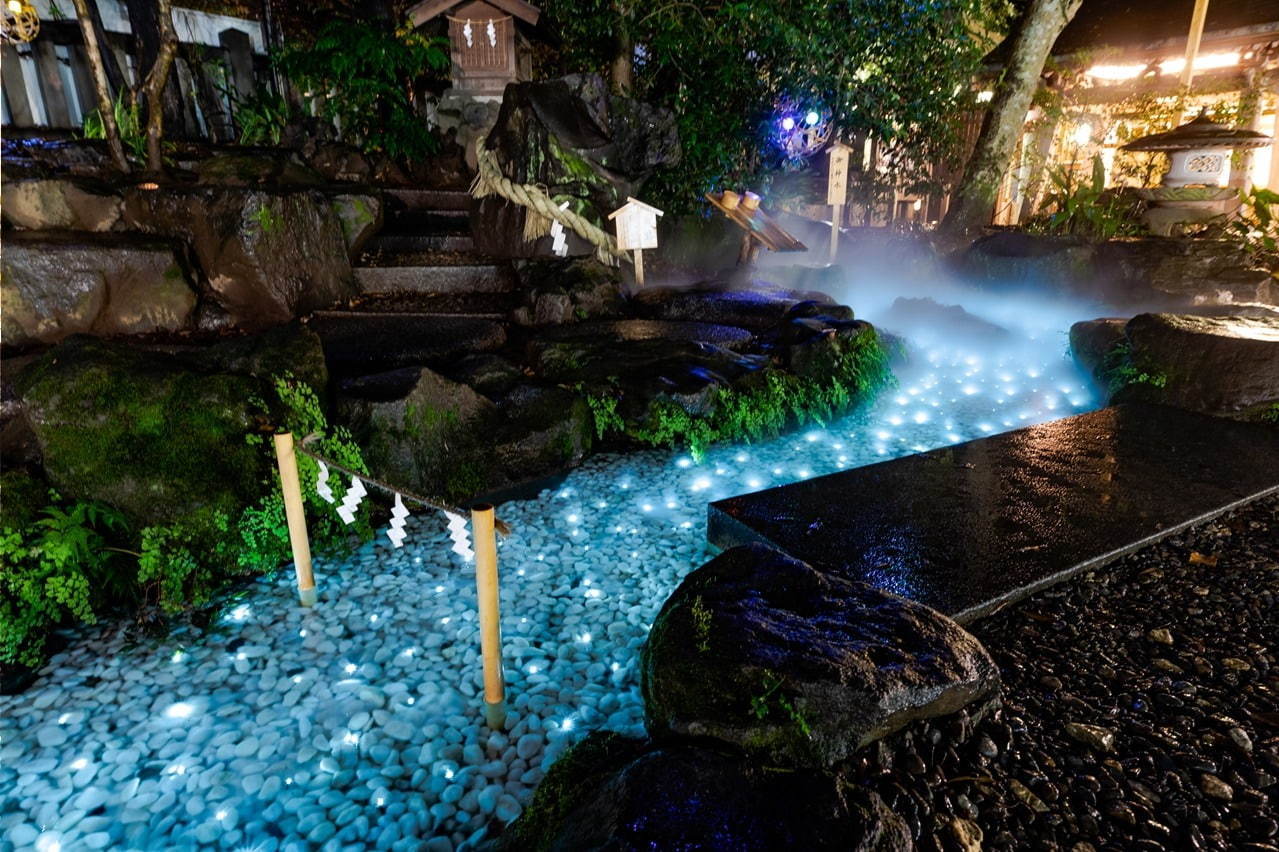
144 432
751 309
423 431
1093 341
55 287
48 203
288 350
559 134
360 215
1218 365
799 668
267 256
544 431
612 793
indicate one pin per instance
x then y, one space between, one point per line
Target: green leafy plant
1085 208
1120 368
771 699
701 624
604 414
766 404
51 572
365 75
132 133
1257 227
262 117
267 220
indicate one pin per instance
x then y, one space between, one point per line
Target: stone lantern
1193 190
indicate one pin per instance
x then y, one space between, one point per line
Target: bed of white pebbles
357 724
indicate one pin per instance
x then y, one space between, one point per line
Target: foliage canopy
898 70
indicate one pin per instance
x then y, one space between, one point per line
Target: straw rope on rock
541 210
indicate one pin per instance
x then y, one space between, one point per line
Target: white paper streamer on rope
395 532
351 501
461 537
559 243
469 33
322 486
492 33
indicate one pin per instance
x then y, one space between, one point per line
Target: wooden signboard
837 189
636 224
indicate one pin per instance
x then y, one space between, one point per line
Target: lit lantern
21 21
1193 189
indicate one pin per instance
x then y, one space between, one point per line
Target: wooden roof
428 9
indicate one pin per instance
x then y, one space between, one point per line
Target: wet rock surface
968 527
53 287
799 668
1219 365
615 793
1194 762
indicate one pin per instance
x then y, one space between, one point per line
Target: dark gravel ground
1168 659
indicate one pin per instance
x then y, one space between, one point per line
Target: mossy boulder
423 431
798 668
360 215
545 430
24 497
144 432
59 203
609 792
292 349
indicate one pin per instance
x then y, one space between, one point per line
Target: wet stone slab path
971 527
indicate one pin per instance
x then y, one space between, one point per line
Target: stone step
491 306
969 528
478 278
432 199
395 243
427 222
358 343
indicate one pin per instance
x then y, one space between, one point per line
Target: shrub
51 571
1086 209
761 406
366 75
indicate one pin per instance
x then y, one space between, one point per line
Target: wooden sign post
486 589
287 461
837 190
636 224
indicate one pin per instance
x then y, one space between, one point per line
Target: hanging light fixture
21 21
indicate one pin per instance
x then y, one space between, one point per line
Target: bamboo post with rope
486 590
287 461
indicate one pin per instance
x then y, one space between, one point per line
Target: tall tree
973 200
897 70
156 82
148 19
94 50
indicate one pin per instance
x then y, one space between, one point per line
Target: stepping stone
357 343
432 199
395 243
479 278
968 528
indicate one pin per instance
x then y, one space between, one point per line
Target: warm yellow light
15 6
1203 62
985 97
1083 134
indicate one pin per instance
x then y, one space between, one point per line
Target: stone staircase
426 297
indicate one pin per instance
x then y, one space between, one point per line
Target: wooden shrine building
487 50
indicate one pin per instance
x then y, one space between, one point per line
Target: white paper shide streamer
322 486
395 531
351 502
461 537
469 34
491 31
559 242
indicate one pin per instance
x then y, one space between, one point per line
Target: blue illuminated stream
356 724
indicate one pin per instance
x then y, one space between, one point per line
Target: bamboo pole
486 590
1192 42
287 460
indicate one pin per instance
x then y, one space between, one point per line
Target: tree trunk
93 51
148 20
974 198
622 72
154 87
